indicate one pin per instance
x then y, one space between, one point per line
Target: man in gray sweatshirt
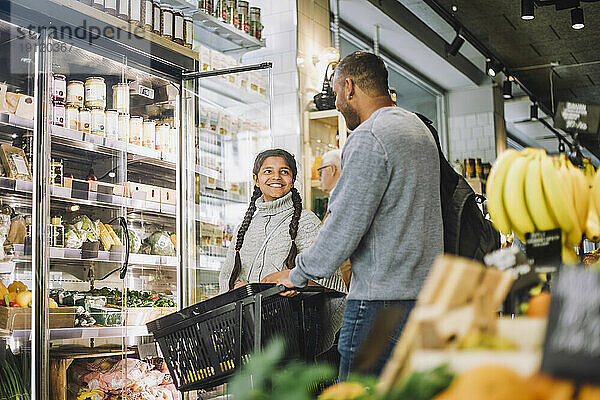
385 212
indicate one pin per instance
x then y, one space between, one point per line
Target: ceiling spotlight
577 18
492 67
533 112
455 46
75 207
454 8
507 89
527 11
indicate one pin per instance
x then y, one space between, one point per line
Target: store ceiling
546 39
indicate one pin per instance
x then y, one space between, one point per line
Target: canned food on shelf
58 113
59 87
75 93
98 121
72 117
120 93
136 125
123 127
162 137
84 121
149 134
95 92
111 126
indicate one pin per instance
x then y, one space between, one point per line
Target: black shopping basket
203 345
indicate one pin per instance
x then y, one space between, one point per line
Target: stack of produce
84 230
159 244
15 377
530 191
18 295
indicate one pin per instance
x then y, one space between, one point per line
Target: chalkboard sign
572 345
544 247
577 117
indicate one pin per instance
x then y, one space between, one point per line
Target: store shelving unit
214 162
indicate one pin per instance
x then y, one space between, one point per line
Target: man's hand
272 278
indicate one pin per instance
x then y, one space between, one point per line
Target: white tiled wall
279 20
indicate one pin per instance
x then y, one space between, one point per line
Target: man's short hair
332 157
367 71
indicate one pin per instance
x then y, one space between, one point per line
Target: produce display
530 191
160 244
111 378
108 296
16 295
15 376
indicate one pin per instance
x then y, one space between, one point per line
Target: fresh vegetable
72 238
14 376
84 224
174 239
161 244
105 237
17 286
135 241
3 290
24 299
113 235
52 303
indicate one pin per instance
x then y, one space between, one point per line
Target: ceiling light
577 18
527 10
533 113
454 8
111 174
507 89
455 46
75 208
492 67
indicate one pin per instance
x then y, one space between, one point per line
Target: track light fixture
527 10
492 67
533 112
577 18
507 89
455 46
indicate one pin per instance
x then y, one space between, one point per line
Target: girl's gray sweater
266 245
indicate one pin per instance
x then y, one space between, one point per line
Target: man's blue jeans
358 319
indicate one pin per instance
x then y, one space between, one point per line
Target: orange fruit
539 306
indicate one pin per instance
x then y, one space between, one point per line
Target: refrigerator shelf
84 333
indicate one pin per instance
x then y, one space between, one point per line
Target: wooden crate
12 318
139 316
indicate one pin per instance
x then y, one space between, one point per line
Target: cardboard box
152 193
168 196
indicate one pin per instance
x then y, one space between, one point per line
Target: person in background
329 173
274 230
385 211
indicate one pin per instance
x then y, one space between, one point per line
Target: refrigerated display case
113 223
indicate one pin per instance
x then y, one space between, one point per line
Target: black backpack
466 231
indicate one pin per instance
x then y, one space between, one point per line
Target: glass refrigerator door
109 215
17 95
232 123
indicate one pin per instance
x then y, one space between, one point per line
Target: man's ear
349 88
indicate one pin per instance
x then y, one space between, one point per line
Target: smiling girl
275 229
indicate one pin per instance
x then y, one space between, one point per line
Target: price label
577 117
572 345
544 247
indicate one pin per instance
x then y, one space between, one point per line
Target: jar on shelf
149 135
156 16
58 113
136 125
173 138
221 10
97 121
75 93
162 131
120 93
123 127
84 120
147 16
232 15
243 16
111 127
135 12
59 87
57 232
123 10
255 25
206 6
188 31
178 27
95 92
71 117
99 4
110 7
167 17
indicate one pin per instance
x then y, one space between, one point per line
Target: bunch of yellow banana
529 191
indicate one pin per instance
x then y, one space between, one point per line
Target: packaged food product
221 10
95 92
162 133
110 7
58 113
121 97
97 121
243 16
123 9
167 17
232 15
135 12
178 27
112 124
136 125
85 119
173 139
206 6
59 87
149 134
72 117
123 127
188 31
75 93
